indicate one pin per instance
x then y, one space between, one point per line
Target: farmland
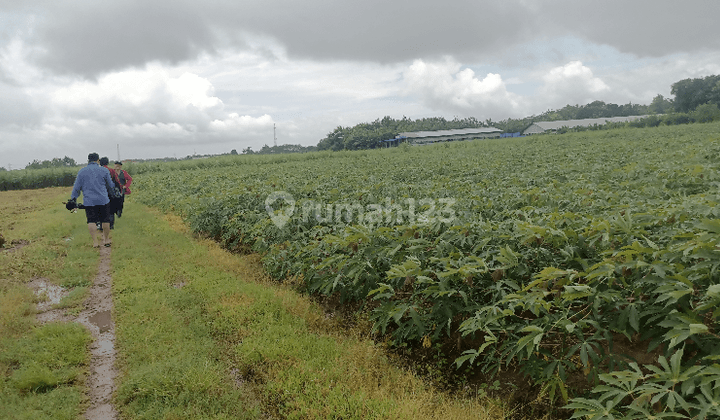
200 332
586 262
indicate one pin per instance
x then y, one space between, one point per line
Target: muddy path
97 318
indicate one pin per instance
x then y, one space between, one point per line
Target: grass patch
43 371
169 361
196 335
16 311
74 300
49 356
41 368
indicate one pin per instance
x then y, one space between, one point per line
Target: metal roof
554 125
455 132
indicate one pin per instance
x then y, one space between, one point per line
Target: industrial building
428 137
552 126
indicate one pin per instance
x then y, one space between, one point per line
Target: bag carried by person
117 191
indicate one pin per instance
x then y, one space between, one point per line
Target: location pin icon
282 216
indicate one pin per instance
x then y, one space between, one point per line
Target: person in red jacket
125 181
116 199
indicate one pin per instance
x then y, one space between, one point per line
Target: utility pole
274 135
118 150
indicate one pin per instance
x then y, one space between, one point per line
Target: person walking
96 186
116 198
125 181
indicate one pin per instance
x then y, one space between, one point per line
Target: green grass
168 356
42 368
198 339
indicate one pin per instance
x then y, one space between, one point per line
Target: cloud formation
444 86
87 37
141 96
572 83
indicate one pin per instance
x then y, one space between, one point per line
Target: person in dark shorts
116 199
96 186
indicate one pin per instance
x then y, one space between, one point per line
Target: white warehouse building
427 137
551 126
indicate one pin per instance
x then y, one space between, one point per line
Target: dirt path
96 317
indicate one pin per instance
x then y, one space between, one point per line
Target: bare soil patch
50 295
15 244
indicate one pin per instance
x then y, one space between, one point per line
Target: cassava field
200 333
570 275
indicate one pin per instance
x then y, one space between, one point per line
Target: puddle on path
51 293
103 320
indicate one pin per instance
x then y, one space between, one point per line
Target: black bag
71 205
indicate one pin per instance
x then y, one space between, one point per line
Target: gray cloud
17 108
88 37
643 28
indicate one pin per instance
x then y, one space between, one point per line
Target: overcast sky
174 78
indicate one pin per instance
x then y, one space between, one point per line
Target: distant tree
233 152
2 169
676 118
660 105
334 140
706 113
691 93
54 163
285 148
595 109
715 94
37 164
649 121
247 151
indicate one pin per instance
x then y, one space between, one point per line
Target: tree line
696 100
275 150
65 162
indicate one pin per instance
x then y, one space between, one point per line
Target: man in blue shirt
95 184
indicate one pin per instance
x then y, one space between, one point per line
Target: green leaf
603 269
633 317
530 341
576 292
698 329
468 356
